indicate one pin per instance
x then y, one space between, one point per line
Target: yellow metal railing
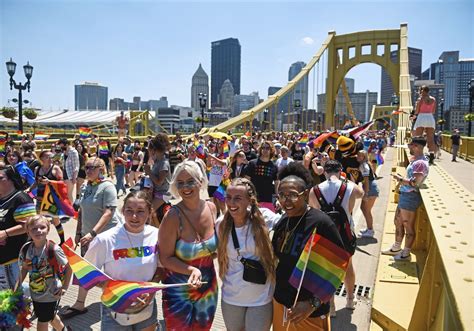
466 150
435 290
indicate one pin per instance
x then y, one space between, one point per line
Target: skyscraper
200 84
244 102
225 64
90 96
414 68
226 96
301 90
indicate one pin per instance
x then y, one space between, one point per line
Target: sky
152 48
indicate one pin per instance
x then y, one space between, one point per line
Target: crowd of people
251 202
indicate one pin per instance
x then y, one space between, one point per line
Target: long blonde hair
263 245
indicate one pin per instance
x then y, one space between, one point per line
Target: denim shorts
409 200
109 323
373 189
9 274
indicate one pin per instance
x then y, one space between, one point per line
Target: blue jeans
120 176
9 274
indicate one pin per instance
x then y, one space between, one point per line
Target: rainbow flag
248 134
41 136
226 149
200 152
196 142
103 147
3 144
55 200
85 133
320 268
304 140
86 273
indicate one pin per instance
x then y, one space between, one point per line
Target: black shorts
45 311
211 190
134 167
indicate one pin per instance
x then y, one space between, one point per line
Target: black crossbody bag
253 269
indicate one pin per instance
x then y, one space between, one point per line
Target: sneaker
391 251
351 303
332 309
400 257
366 233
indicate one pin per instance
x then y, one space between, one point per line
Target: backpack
59 270
338 215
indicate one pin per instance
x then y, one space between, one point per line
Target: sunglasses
187 185
292 196
91 167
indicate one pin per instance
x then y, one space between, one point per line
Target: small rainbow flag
41 136
3 144
196 142
85 133
55 200
103 147
200 152
320 268
379 158
248 134
86 273
304 140
226 149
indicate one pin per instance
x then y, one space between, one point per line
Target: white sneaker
391 251
351 303
401 257
332 309
366 233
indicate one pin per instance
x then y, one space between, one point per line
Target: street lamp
281 121
11 67
265 120
471 97
202 103
441 108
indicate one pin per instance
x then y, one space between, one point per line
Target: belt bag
131 319
253 269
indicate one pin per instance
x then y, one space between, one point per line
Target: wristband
6 233
93 233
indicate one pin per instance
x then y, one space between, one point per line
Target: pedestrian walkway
365 263
462 170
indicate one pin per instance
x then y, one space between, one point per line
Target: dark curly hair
296 171
160 142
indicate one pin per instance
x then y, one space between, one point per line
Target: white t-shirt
215 175
329 191
281 162
124 255
235 290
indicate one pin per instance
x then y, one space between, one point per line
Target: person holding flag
298 308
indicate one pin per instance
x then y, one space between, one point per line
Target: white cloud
307 41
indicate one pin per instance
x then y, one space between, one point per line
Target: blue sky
152 49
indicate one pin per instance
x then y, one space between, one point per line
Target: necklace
289 234
128 236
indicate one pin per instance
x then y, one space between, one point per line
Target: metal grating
360 290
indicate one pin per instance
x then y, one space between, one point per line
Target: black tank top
41 187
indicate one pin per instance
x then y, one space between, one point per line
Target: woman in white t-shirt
245 304
129 252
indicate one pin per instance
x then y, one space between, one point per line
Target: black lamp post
202 103
441 108
471 97
11 67
281 120
265 120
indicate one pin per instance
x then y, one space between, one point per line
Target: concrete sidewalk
365 263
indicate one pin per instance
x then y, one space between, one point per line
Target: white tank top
329 191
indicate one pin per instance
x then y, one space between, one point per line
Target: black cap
419 140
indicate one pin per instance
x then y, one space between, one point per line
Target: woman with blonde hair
187 245
246 260
371 192
97 213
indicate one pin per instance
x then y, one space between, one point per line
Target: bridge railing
466 150
435 290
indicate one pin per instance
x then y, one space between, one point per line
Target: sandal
71 312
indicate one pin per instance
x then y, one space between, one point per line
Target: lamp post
265 119
11 67
471 97
202 103
281 121
441 108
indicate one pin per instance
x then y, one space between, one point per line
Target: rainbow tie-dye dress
185 308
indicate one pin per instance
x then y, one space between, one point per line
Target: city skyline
89 41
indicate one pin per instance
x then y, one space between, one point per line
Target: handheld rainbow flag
320 268
226 149
200 152
304 140
3 144
41 136
55 200
85 133
359 130
86 273
103 147
248 134
379 158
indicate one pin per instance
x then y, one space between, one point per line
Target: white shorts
425 121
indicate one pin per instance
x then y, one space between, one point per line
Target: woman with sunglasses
187 245
289 239
14 158
243 234
97 213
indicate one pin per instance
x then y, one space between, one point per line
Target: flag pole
302 275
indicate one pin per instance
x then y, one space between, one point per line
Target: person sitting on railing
409 200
